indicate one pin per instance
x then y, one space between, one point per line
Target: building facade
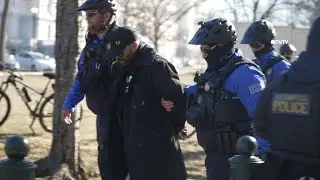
30 23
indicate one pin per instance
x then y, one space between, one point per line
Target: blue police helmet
261 31
218 32
101 5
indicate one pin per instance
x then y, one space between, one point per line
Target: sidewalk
23 73
182 71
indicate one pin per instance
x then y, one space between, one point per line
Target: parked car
35 61
10 61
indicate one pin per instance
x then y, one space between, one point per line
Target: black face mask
267 48
218 56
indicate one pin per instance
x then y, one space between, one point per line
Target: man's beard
96 29
126 60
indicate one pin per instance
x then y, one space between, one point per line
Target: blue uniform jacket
277 69
246 82
75 96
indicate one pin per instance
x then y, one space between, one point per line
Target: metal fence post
15 167
242 166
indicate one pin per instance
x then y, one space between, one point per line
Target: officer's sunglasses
207 50
92 13
255 45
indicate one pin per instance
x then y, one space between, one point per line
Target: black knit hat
120 39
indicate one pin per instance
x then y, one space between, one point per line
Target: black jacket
152 151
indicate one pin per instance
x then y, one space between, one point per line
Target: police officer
259 36
288 116
224 97
287 51
149 132
93 75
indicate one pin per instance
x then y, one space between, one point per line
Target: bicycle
22 89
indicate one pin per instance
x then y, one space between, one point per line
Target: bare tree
154 18
64 157
233 8
251 11
3 28
310 10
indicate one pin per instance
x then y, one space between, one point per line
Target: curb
180 72
24 73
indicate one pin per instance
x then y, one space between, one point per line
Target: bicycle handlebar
11 72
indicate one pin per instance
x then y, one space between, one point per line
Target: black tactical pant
217 164
102 138
111 157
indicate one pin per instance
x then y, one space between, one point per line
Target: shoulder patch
292 104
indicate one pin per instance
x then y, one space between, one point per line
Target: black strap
223 75
234 65
271 62
85 54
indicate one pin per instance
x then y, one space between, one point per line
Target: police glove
263 146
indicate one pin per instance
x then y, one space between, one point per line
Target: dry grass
18 124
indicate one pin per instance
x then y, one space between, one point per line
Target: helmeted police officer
224 97
93 76
287 51
288 116
259 36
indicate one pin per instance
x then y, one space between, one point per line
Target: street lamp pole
34 12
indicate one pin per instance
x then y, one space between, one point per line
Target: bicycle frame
16 83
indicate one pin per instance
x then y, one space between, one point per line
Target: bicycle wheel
46 113
5 107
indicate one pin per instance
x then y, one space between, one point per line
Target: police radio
206 82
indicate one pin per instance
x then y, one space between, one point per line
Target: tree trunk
156 36
3 28
65 143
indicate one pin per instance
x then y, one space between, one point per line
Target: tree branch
177 18
233 10
175 13
255 9
270 9
244 8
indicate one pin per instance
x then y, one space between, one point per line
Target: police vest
231 119
267 68
295 121
96 77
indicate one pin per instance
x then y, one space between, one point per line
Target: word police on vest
274 41
295 104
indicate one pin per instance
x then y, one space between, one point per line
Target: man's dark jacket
149 131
